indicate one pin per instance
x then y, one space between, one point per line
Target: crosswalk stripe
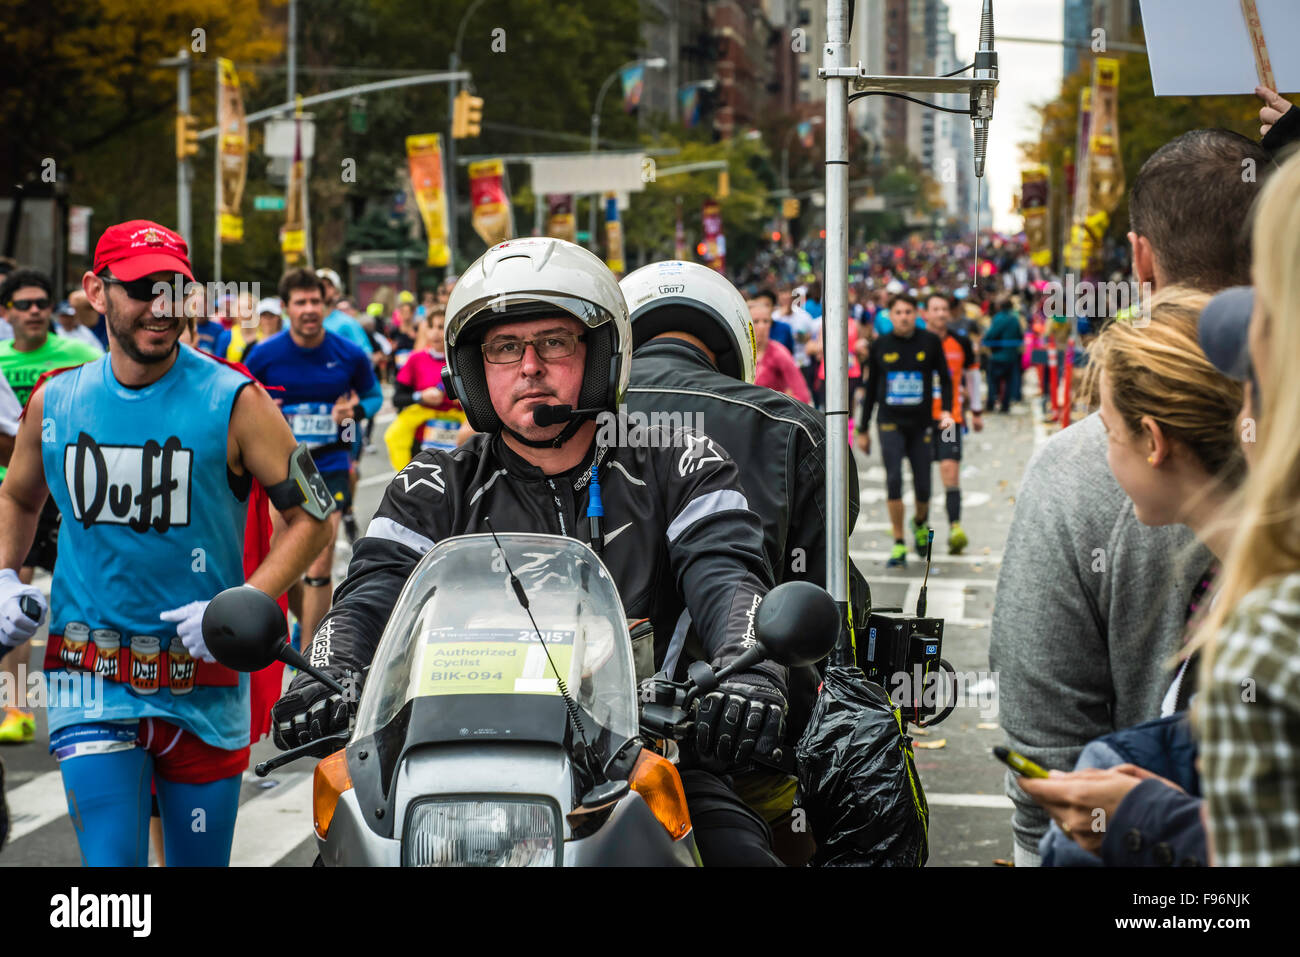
269 826
941 600
969 800
382 479
912 558
35 804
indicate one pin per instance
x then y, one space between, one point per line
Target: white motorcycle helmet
528 277
689 297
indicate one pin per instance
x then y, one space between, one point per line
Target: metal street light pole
840 77
184 173
835 60
449 154
654 63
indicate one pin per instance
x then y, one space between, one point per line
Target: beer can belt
146 663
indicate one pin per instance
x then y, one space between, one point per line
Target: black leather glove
743 719
309 710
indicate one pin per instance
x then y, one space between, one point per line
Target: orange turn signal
656 780
328 784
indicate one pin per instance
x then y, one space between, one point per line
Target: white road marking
941 600
272 824
874 496
915 560
383 479
958 583
1000 801
35 804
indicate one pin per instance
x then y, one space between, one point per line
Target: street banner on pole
689 100
1034 189
633 84
1100 180
1078 198
233 147
1105 170
560 223
293 236
613 236
424 164
491 207
714 243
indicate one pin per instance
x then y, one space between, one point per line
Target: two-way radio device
902 654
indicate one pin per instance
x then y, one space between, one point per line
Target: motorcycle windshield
458 628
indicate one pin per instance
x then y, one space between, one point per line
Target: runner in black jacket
677 532
900 371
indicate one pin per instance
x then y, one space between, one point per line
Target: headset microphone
545 415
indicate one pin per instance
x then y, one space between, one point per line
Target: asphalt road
970 817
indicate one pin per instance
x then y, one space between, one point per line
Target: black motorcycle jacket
777 442
677 535
779 445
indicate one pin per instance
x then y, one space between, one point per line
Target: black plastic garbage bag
858 782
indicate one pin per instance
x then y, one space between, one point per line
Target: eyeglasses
145 290
556 345
22 305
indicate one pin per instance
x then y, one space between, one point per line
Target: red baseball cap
135 249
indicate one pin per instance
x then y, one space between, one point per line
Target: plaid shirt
1250 753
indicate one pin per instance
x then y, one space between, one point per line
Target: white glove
16 626
189 625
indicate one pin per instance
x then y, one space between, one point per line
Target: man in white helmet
542 323
693 344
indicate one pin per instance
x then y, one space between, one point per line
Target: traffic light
187 136
724 184
466 115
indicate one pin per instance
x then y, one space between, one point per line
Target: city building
1078 33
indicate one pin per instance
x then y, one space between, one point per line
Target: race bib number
440 433
492 661
904 388
312 423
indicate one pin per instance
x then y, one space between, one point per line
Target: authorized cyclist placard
491 661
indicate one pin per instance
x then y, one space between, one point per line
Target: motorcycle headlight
459 832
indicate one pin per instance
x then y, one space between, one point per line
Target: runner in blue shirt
325 388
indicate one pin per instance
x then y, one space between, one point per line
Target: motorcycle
484 739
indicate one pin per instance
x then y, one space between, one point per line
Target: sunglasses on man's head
22 305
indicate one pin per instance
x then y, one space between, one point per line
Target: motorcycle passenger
694 358
543 322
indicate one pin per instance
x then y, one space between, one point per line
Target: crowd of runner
1162 528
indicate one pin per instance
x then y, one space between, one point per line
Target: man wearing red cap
149 454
